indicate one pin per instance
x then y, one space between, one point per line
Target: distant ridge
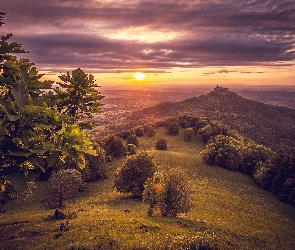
270 125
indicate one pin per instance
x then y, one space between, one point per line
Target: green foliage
132 139
63 185
161 143
223 151
113 146
187 121
168 192
172 126
130 178
150 131
188 134
39 125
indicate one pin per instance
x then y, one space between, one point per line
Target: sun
139 76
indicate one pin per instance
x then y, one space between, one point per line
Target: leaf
52 159
20 94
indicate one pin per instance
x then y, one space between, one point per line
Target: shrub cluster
113 146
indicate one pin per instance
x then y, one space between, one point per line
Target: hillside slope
229 212
272 126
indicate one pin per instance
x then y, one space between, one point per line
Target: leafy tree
130 178
40 124
172 126
7 192
139 131
63 185
168 192
132 139
161 143
188 134
113 146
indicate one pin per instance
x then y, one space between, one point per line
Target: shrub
132 139
150 131
131 149
139 131
188 134
161 143
167 192
63 185
172 126
130 178
114 146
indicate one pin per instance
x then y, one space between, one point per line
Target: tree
188 134
63 185
114 146
168 192
132 139
172 126
130 178
40 124
161 143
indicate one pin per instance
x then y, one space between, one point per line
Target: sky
250 42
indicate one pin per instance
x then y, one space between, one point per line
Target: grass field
229 212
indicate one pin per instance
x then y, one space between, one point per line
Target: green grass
229 212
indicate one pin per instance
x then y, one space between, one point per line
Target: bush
131 149
167 192
114 146
130 178
63 185
139 131
188 134
150 131
132 139
172 126
161 143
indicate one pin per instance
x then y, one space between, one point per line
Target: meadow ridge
229 211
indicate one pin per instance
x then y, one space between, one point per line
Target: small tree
139 131
63 185
172 126
168 192
130 178
188 134
114 146
161 143
132 139
131 149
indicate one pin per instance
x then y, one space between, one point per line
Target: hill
229 212
269 125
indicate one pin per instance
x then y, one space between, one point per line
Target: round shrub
188 134
132 139
130 178
172 126
161 143
114 146
139 131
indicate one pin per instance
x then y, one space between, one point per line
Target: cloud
105 35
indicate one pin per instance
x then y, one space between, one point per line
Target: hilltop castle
220 89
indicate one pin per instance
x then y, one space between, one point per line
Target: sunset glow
175 42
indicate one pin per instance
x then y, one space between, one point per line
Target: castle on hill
220 89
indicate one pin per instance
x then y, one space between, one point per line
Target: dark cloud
69 34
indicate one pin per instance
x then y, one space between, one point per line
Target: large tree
38 123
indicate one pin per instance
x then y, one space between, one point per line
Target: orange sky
171 42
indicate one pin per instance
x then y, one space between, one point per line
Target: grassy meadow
229 212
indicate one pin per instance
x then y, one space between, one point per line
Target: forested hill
270 125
